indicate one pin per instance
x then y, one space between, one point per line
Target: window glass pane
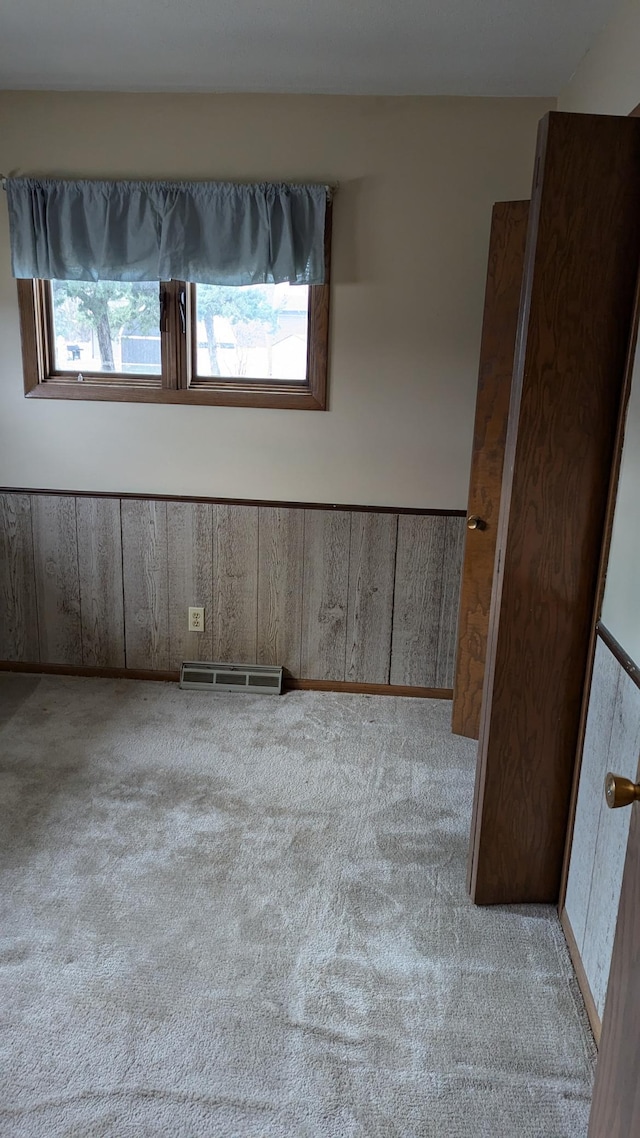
252 332
106 326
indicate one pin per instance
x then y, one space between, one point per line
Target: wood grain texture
600 835
327 585
324 594
501 306
598 630
611 844
280 588
235 584
172 676
290 684
575 320
277 398
190 579
349 507
179 383
100 575
372 557
55 553
595 759
454 534
318 345
417 601
19 619
35 362
581 976
615 1111
146 590
36 668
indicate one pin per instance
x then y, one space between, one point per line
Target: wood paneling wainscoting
345 597
600 835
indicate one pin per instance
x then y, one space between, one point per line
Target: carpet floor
246 917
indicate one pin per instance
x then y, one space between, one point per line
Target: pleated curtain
219 233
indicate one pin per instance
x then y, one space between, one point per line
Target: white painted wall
607 82
417 177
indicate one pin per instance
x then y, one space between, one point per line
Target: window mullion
44 309
167 336
184 309
172 335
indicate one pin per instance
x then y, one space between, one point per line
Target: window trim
177 384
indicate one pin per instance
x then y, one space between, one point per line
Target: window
254 345
90 332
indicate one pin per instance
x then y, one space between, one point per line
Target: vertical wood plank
499 324
615 1110
454 533
611 844
280 587
55 552
595 757
190 578
371 580
235 584
569 375
19 619
324 594
100 576
417 600
146 593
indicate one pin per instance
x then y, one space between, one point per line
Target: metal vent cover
263 679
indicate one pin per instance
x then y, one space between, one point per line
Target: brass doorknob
474 522
620 791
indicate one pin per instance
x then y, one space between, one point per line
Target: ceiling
370 47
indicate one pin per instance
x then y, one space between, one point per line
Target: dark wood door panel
500 321
575 320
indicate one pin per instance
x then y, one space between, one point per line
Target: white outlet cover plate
196 619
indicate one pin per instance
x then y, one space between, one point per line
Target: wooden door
615 1111
502 301
583 247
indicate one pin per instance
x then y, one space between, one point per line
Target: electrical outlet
196 619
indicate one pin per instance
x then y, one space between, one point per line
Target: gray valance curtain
208 232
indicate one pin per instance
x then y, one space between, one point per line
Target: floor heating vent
260 678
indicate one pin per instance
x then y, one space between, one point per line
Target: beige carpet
246 917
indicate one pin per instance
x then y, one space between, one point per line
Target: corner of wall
607 81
